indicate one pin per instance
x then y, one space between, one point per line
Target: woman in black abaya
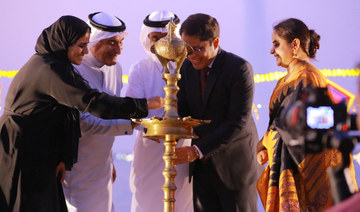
39 129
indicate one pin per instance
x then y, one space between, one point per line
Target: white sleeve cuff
200 153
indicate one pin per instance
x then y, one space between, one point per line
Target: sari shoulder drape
293 180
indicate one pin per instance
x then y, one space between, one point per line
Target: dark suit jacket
230 139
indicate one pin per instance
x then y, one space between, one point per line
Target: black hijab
53 43
57 38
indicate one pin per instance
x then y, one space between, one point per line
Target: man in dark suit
217 85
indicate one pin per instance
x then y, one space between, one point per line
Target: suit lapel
195 87
211 79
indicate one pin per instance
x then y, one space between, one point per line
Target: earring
295 56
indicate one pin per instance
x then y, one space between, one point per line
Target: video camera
315 123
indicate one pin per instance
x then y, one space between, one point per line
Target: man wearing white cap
88 186
145 80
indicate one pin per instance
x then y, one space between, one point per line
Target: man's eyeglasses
198 50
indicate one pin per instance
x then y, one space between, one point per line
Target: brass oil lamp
170 127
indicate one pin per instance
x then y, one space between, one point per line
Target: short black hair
202 25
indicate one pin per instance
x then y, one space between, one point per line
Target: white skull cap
156 22
161 15
106 19
103 26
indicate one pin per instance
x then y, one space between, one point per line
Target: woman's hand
262 157
133 124
155 102
60 171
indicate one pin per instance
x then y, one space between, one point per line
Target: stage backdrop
246 27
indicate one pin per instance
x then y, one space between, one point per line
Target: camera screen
320 117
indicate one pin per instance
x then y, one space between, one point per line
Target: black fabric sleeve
85 99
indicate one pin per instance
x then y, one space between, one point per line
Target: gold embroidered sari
293 182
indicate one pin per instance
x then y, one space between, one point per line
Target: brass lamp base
170 129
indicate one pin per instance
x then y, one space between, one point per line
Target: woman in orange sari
293 180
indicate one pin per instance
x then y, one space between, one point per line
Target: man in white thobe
145 80
88 186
